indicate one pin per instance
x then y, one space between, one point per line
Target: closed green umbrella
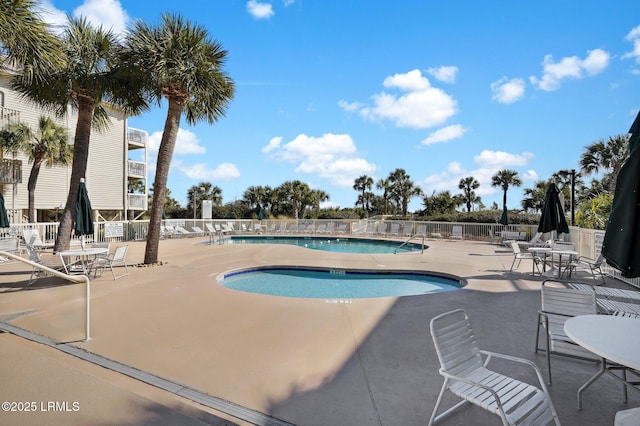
621 245
4 219
504 219
260 213
84 215
552 218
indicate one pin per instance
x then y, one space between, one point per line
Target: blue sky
328 90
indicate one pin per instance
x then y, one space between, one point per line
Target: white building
118 157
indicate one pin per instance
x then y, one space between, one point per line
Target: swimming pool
332 283
333 244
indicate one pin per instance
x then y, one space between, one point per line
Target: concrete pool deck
303 361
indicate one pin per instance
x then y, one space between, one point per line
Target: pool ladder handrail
407 242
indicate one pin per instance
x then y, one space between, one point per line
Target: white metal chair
456 233
558 304
591 265
518 255
466 375
117 258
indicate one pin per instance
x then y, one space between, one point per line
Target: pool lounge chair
456 233
407 229
32 238
466 375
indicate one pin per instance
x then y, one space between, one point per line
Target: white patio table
615 339
83 258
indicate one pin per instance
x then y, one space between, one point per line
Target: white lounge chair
407 229
32 237
395 229
467 376
421 230
456 233
180 230
198 231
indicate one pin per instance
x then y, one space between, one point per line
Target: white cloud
260 10
634 37
445 134
288 2
106 13
422 107
187 143
350 106
274 143
54 17
570 67
501 159
444 73
488 162
331 157
530 176
508 91
201 171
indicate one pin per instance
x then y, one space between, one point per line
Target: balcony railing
136 137
137 201
10 171
8 116
137 169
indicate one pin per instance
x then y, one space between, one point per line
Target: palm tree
468 185
313 199
48 147
607 156
362 184
203 191
26 43
504 179
87 79
183 66
403 189
534 197
385 185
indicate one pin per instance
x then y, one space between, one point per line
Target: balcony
10 171
136 138
137 170
8 116
137 201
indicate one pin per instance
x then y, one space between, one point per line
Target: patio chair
34 256
32 237
467 376
117 258
518 255
589 264
456 233
558 304
421 230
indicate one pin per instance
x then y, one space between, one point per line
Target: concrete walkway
304 361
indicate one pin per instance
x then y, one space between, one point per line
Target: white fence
588 242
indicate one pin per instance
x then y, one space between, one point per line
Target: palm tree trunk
31 187
78 171
165 153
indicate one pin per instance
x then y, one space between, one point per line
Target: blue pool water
334 244
335 284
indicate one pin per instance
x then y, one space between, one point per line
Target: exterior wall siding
105 175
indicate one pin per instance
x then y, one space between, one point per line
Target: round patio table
83 257
616 340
